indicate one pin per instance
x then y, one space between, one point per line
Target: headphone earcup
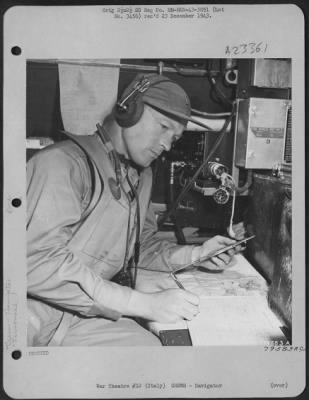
129 116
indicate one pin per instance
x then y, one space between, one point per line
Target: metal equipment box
260 132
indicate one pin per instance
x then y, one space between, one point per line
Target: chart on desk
234 320
238 279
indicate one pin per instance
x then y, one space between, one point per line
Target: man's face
152 135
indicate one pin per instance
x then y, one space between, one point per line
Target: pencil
177 281
215 254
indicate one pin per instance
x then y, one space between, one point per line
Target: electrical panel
260 132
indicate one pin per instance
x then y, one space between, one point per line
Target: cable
178 231
219 91
137 237
125 259
210 154
106 141
210 115
185 72
230 228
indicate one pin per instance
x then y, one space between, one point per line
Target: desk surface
233 305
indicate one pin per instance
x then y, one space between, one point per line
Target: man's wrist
180 256
138 305
196 253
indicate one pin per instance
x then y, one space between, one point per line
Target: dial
221 195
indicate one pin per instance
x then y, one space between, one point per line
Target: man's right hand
166 306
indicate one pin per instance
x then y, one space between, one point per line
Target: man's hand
166 306
210 247
172 305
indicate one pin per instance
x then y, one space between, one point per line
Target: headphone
129 109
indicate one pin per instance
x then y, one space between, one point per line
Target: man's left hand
210 247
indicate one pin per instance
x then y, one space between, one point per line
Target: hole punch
16 202
16 354
16 51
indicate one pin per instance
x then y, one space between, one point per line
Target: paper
234 321
239 279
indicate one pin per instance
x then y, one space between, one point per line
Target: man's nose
166 143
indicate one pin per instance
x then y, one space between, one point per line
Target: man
88 201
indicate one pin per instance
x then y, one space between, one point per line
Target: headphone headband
139 88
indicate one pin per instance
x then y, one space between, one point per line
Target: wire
191 72
230 228
181 179
228 181
178 231
210 115
219 91
125 259
137 237
106 141
210 154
